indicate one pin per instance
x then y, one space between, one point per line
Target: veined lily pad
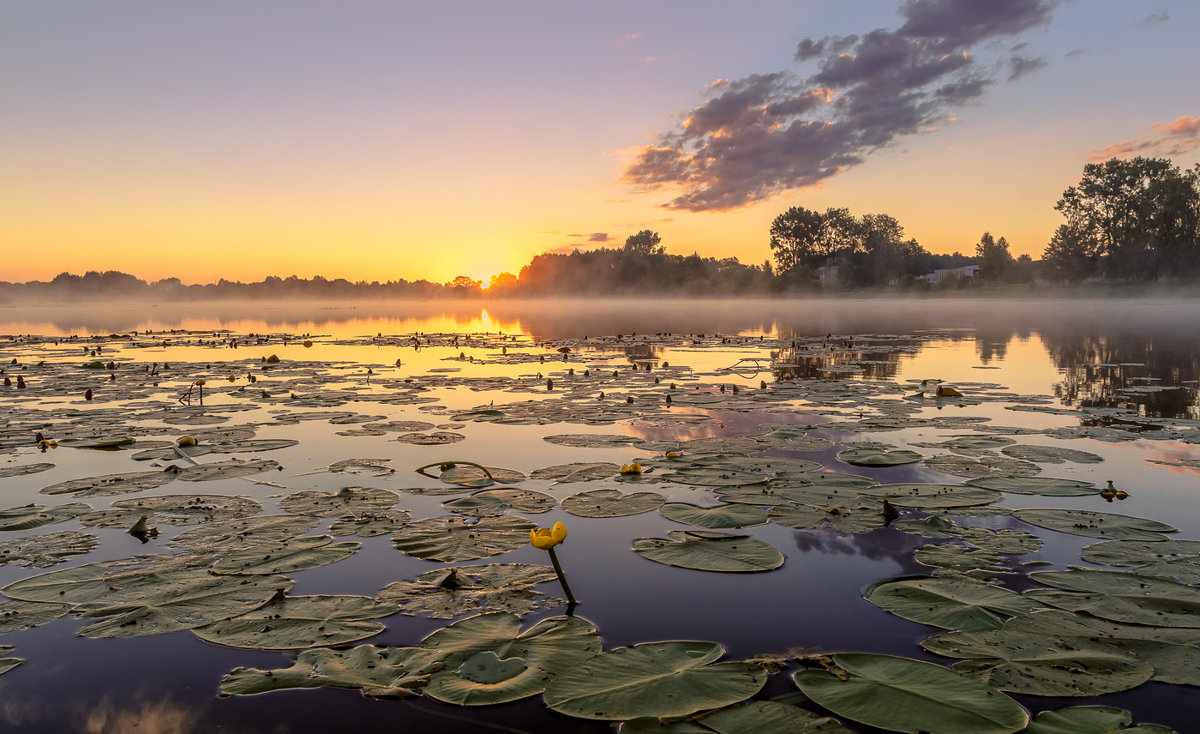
611 503
1091 720
452 538
984 466
879 457
290 555
949 602
1141 552
40 551
378 672
293 622
1181 571
658 679
498 501
932 496
591 440
770 717
1045 486
1005 540
370 524
110 484
1095 524
900 694
77 585
21 470
346 501
173 509
22 615
713 476
35 516
714 517
97 442
551 648
7 663
446 593
253 445
1120 596
855 518
244 532
226 470
171 452
374 467
577 472
709 550
958 558
1040 664
1050 454
468 475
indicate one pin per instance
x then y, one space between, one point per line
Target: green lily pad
932 496
1044 486
40 551
611 503
290 555
1050 454
253 445
452 538
32 516
499 501
466 475
374 467
1120 596
713 476
97 442
577 472
378 672
447 593
959 558
714 517
549 649
110 484
21 470
433 438
900 694
659 679
710 551
77 585
856 518
1141 552
1006 540
591 440
1041 664
1091 524
1181 571
949 602
6 663
173 509
770 717
171 452
371 524
244 532
879 457
1091 720
226 470
984 466
22 615
345 501
293 622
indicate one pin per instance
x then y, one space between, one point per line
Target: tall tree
644 243
994 258
1073 254
795 235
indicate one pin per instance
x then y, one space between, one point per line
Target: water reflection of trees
809 361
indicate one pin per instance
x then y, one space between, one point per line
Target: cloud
1154 18
1076 52
1167 139
586 242
767 133
598 237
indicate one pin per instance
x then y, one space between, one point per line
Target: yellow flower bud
631 469
200 382
547 538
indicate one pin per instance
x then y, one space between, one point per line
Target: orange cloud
1169 138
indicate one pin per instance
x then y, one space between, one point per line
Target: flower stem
562 579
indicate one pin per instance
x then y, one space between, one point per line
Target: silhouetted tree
994 258
644 242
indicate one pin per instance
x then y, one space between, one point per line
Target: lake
758 409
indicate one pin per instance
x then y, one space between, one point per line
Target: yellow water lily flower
628 469
547 538
201 382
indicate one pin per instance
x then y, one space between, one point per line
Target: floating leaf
900 694
470 475
433 438
710 551
39 551
932 496
173 509
370 524
21 470
1050 454
551 648
659 679
958 558
714 476
1090 720
499 501
97 442
984 466
879 457
293 622
715 516
345 501
290 555
1141 552
1041 664
949 602
226 470
453 592
856 518
32 516
611 503
1045 486
452 538
1120 596
1095 524
378 672
770 717
244 532
591 440
577 472
110 484
22 615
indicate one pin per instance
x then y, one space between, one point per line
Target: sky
378 140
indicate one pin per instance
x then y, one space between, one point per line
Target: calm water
1140 356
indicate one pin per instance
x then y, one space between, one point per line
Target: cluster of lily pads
1080 632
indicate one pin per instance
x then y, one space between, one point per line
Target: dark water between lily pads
1101 390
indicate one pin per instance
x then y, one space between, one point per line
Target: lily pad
110 484
446 593
452 538
932 496
498 501
1141 552
659 679
958 558
370 524
591 440
770 717
1050 454
32 516
856 517
467 475
293 622
1041 664
577 472
378 672
900 694
40 551
173 509
1095 524
710 551
21 470
1091 720
433 438
550 649
244 532
290 555
1044 486
345 501
715 516
226 470
879 457
611 503
949 602
22 615
1120 596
